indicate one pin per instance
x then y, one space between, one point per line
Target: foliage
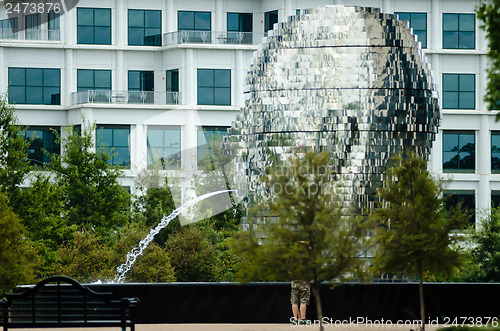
14 165
92 195
489 13
152 266
192 255
314 239
415 233
485 254
14 266
87 258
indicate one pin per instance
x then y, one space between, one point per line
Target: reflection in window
459 31
459 91
467 199
43 144
495 152
209 138
459 151
144 27
194 21
164 146
94 26
115 141
54 26
214 87
88 79
32 25
418 22
9 28
34 86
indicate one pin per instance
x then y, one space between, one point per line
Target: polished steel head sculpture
351 81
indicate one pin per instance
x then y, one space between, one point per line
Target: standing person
300 295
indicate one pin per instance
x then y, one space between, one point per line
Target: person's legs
303 308
295 311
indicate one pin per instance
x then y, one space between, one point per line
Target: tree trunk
319 309
421 295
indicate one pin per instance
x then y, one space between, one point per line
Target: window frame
459 169
42 87
460 33
216 89
54 149
460 92
93 87
424 45
155 39
205 149
112 149
175 157
96 29
195 23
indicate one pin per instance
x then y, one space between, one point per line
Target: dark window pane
467 83
51 77
173 80
222 78
102 35
135 36
34 95
155 138
120 137
134 80
136 18
85 78
85 35
17 94
85 16
419 21
233 22
450 100
467 40
222 96
102 17
270 18
450 160
185 20
34 77
467 100
205 77
202 21
51 96
17 76
422 37
403 16
450 39
450 142
153 19
205 96
102 80
467 22
450 22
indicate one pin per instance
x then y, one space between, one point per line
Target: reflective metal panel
348 80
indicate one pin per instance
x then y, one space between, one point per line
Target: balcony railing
30 34
212 37
125 97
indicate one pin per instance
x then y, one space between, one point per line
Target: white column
68 27
239 79
483 166
386 6
119 82
69 80
482 84
434 33
219 16
3 71
120 28
289 10
171 17
189 81
139 150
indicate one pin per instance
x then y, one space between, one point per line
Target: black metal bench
62 302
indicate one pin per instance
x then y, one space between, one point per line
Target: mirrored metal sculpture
348 80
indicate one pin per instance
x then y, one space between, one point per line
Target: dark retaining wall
270 302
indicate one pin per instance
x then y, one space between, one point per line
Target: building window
54 26
495 152
115 141
270 18
164 146
459 151
418 22
209 138
459 31
34 86
144 27
172 77
94 26
140 86
43 144
459 91
467 200
32 26
214 87
88 79
194 21
239 22
9 28
495 199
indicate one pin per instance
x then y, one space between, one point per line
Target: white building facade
158 76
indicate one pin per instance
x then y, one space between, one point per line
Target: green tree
415 234
313 240
14 166
489 13
92 196
485 254
14 266
192 255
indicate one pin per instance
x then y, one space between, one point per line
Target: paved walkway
248 327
